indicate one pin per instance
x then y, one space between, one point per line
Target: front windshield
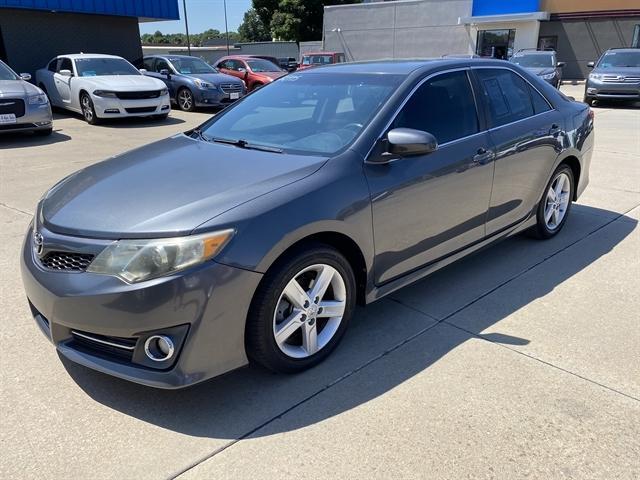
93 67
317 59
533 61
620 59
260 65
189 66
6 73
309 114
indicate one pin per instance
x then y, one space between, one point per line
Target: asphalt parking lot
522 361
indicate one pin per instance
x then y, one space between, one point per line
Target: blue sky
203 14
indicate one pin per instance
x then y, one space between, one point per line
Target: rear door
427 207
527 133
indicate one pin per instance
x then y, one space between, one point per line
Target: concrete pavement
519 362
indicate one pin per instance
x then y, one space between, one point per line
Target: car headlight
104 93
139 260
40 99
548 76
202 83
164 91
595 76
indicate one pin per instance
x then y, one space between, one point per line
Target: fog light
159 348
591 90
165 107
112 110
42 124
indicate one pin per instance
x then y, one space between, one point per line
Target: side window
443 106
161 64
147 64
53 65
65 64
506 95
540 105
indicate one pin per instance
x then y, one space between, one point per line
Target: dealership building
34 31
579 30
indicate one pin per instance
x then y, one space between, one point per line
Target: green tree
252 29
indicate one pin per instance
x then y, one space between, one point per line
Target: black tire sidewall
261 345
541 227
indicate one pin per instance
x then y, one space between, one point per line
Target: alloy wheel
185 100
87 109
309 311
557 201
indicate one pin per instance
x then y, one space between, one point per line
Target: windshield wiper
249 146
199 135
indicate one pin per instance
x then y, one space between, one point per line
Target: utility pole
226 28
186 26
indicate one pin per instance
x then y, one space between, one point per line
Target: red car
255 71
315 59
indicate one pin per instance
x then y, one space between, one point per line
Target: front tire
43 133
161 117
301 309
588 100
185 100
555 205
88 111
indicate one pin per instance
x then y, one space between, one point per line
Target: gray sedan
252 237
23 106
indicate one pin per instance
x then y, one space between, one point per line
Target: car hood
625 71
125 83
166 188
17 88
540 70
215 78
272 75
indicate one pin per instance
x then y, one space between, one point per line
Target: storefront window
495 43
548 43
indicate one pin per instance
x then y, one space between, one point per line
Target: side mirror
143 70
591 64
165 72
561 64
66 73
242 70
407 142
25 76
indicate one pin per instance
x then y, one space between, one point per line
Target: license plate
7 118
234 96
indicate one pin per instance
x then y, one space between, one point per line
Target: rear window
506 95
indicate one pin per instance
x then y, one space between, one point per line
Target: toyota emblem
38 242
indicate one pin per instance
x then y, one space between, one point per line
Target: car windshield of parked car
259 65
533 61
94 67
317 59
313 114
620 59
188 66
6 73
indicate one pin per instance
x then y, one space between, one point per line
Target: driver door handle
483 156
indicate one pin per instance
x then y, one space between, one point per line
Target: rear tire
88 111
311 331
555 205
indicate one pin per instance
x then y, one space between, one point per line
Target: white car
102 86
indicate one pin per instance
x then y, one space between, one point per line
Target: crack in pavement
421 332
9 207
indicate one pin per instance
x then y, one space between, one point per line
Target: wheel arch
576 168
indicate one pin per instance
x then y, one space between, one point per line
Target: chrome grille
230 87
621 79
66 261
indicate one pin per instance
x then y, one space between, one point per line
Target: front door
427 207
62 82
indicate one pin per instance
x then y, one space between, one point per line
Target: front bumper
597 89
107 107
214 98
204 310
36 117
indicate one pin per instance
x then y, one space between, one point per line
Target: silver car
615 77
23 106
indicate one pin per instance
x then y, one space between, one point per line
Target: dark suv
616 76
542 63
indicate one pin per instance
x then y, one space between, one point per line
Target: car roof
625 50
320 53
534 52
403 67
74 56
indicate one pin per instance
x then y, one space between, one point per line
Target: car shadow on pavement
387 344
130 122
29 139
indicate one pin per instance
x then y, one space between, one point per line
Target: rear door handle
483 156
